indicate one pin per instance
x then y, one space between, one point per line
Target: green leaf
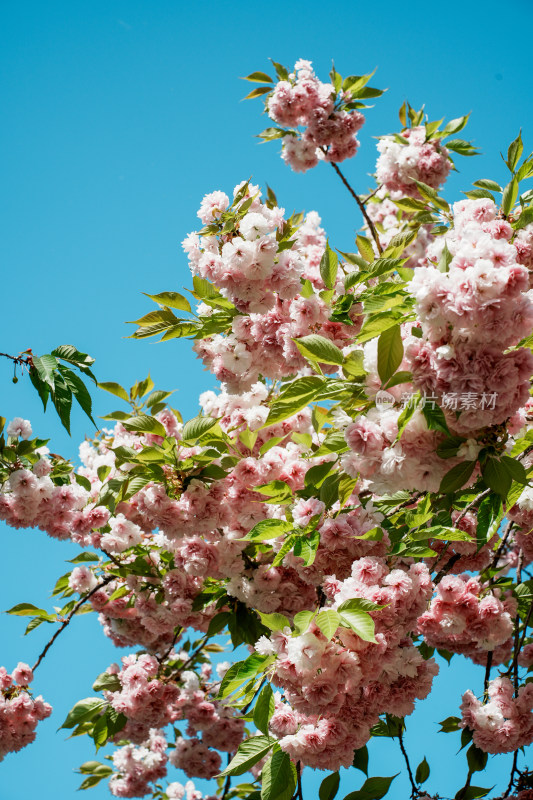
106 681
390 352
275 621
293 398
329 265
318 348
196 427
258 92
171 299
79 390
249 753
264 708
514 153
497 476
485 183
267 529
462 147
422 771
360 623
278 777
242 671
46 366
372 789
510 194
83 710
329 786
302 620
514 468
143 423
457 476
114 388
328 621
305 547
472 793
360 759
364 246
27 610
258 77
455 125
449 725
476 758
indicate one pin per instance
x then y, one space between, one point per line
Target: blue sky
118 118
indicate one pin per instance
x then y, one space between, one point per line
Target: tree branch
361 205
67 619
414 788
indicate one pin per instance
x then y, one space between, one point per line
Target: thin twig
67 619
471 505
166 654
461 793
503 542
414 788
191 658
513 770
299 790
361 205
21 359
447 567
365 200
487 675
227 783
408 502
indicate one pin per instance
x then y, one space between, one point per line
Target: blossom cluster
463 618
470 315
504 723
417 158
20 712
335 690
330 129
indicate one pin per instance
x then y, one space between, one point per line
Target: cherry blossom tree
353 505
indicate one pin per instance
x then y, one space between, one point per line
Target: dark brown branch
67 619
21 359
487 676
227 782
361 205
461 793
414 788
446 568
513 770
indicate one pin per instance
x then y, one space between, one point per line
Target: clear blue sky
118 118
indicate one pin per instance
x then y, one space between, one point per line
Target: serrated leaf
328 621
514 153
390 352
278 777
422 771
329 787
360 623
457 476
318 348
258 77
267 529
249 753
144 423
83 710
258 92
329 265
196 427
264 708
171 300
